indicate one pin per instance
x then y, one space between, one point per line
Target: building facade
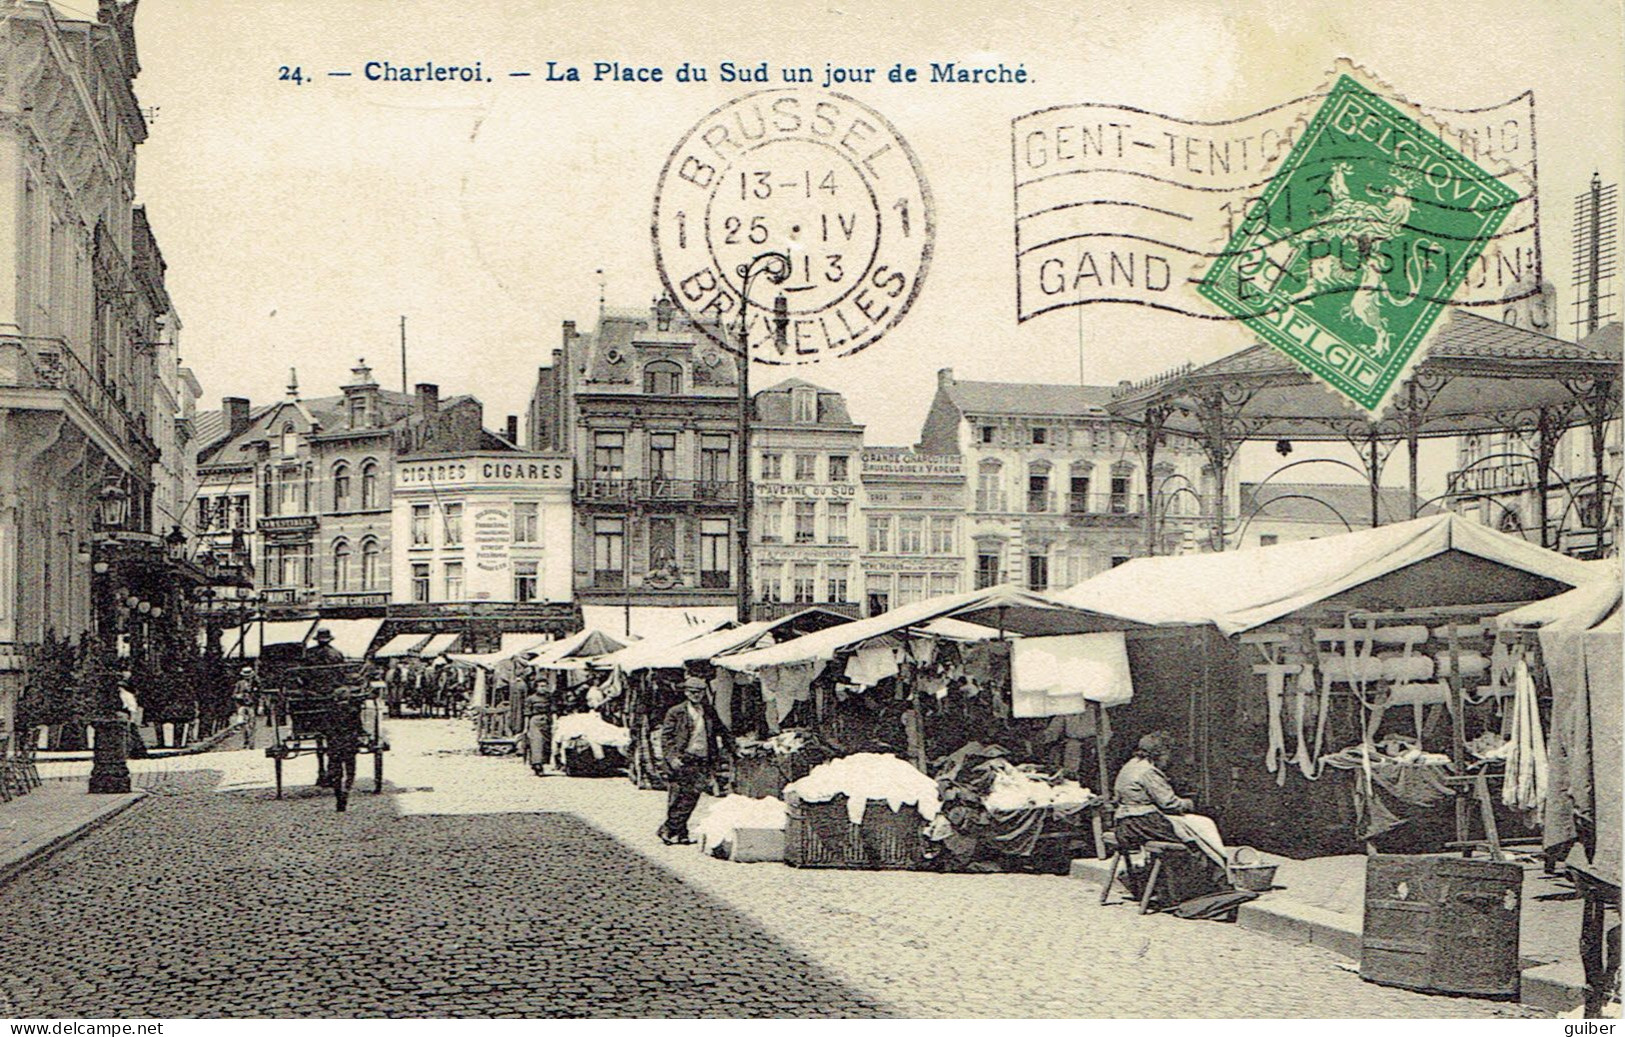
487 527
306 485
806 502
83 313
913 527
648 407
1056 490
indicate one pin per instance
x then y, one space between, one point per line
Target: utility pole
776 265
403 355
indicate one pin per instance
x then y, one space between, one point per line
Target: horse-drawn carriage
315 704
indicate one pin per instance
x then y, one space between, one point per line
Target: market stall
646 676
1004 669
1572 644
1332 693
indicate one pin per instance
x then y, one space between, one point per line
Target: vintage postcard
809 511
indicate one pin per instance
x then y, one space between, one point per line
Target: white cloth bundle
1468 664
1368 669
865 776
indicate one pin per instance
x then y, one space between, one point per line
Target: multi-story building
1058 491
1496 480
485 527
913 518
806 501
82 316
648 406
307 483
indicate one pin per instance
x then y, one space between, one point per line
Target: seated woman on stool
1148 809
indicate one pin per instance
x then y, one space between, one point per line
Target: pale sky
300 222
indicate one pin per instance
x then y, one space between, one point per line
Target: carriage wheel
279 777
377 771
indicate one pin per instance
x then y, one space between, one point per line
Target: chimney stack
428 399
569 331
945 377
236 409
513 429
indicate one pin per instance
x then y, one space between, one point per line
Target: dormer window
804 405
290 440
662 378
358 412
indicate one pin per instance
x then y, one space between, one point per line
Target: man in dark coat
693 744
343 734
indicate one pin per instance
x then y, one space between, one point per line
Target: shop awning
1021 611
437 644
352 636
399 645
1239 590
276 632
732 638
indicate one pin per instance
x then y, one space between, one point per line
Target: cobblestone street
471 887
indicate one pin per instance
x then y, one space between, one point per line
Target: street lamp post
109 771
776 265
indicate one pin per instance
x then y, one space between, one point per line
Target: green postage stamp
1360 239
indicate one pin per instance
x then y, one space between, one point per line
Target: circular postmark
817 177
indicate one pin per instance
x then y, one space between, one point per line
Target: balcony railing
51 364
697 490
1493 478
1105 504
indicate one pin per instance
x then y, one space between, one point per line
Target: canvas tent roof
1022 611
665 623
673 654
1240 590
399 645
1590 606
572 652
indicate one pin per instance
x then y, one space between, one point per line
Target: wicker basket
820 835
769 773
580 761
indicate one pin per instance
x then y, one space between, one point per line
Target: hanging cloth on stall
871 664
1275 675
1525 751
784 686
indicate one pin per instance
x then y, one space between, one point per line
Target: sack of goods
719 827
1026 787
591 730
